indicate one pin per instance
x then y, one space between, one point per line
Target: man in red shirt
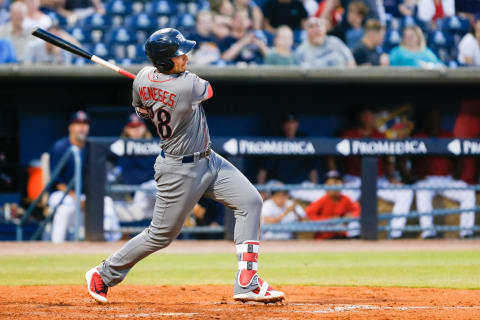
401 199
335 205
437 171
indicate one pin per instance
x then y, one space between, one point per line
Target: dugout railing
235 149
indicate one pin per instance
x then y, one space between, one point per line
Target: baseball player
437 171
186 169
64 218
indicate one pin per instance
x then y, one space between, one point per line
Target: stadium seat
408 21
138 7
119 7
97 22
454 25
142 35
392 39
186 21
164 22
80 34
439 39
162 7
101 50
121 36
141 21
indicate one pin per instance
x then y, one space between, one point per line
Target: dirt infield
214 302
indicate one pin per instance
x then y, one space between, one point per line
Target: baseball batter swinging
186 169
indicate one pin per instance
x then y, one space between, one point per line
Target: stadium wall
41 98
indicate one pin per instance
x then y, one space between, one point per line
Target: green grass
441 269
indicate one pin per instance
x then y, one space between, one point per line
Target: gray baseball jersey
176 110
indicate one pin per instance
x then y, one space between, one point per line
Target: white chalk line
331 308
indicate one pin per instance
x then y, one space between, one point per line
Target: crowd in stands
310 33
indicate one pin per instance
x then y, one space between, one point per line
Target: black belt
191 158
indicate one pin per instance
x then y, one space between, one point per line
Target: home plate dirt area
215 302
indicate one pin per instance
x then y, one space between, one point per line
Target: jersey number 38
163 121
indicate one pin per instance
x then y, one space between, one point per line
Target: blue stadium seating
119 7
80 34
454 25
141 21
162 7
101 50
97 22
121 36
392 39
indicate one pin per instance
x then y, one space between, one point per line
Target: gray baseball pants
179 187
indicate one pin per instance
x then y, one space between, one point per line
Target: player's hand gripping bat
70 47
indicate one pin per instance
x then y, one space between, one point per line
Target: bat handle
112 67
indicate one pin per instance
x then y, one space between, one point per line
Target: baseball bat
70 47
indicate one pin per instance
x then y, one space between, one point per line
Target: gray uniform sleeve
200 89
136 101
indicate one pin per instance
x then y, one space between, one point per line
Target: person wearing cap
138 171
288 169
280 209
334 205
63 221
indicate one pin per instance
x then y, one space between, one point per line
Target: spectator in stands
75 10
469 47
375 9
42 52
288 169
36 18
370 52
280 209
64 219
284 12
431 10
413 51
7 52
14 30
350 30
222 7
206 51
138 170
402 199
243 45
331 11
407 7
438 172
335 205
281 54
254 12
320 50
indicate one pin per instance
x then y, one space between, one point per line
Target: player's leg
402 201
145 200
233 189
179 187
466 198
64 216
424 202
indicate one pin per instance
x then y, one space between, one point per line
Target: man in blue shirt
64 219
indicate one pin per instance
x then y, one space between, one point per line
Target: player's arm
142 111
202 90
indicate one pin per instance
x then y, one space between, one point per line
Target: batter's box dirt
215 302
